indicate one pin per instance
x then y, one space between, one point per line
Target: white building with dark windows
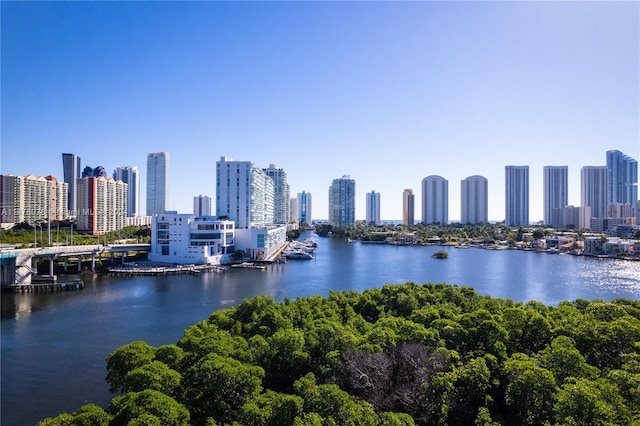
593 190
303 209
130 176
373 208
435 200
188 239
474 200
244 193
555 192
342 202
516 195
281 194
157 183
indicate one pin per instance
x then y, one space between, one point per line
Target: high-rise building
130 176
373 208
201 206
32 199
293 209
303 209
91 172
244 193
102 204
593 189
71 172
622 178
157 183
474 200
342 201
408 207
556 191
280 194
435 200
517 195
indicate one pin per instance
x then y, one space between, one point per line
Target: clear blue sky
387 92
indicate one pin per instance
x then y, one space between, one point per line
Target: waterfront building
189 239
261 243
435 200
303 208
373 208
342 201
571 217
71 172
622 178
102 205
555 192
202 205
474 200
157 183
593 189
408 207
32 199
281 196
517 195
130 176
244 193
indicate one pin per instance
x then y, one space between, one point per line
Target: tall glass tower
373 208
281 199
593 190
342 201
408 207
435 200
71 172
157 183
556 189
304 208
622 178
474 200
130 176
517 195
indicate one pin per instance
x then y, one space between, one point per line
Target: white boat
297 254
298 245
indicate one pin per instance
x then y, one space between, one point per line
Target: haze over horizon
386 92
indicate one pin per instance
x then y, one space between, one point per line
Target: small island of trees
409 354
440 254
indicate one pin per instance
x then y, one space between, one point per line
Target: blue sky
387 92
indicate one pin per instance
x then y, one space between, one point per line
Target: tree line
408 354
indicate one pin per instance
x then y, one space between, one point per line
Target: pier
165 270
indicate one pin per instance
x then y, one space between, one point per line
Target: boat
299 245
297 254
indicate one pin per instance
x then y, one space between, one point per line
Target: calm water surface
54 345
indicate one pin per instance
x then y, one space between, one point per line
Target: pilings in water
44 287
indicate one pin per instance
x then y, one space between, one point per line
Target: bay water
54 345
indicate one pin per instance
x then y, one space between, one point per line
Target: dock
47 287
165 270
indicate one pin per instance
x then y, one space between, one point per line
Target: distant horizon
386 92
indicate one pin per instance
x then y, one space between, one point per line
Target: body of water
54 345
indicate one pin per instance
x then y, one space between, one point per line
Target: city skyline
460 88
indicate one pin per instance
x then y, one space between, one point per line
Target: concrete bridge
20 266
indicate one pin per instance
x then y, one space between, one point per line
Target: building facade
261 243
408 208
32 199
130 176
342 202
517 195
71 172
281 194
102 205
622 178
202 205
244 193
373 208
570 217
157 183
435 200
189 239
303 209
593 190
555 192
474 201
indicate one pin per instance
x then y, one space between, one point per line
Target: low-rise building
188 239
261 243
